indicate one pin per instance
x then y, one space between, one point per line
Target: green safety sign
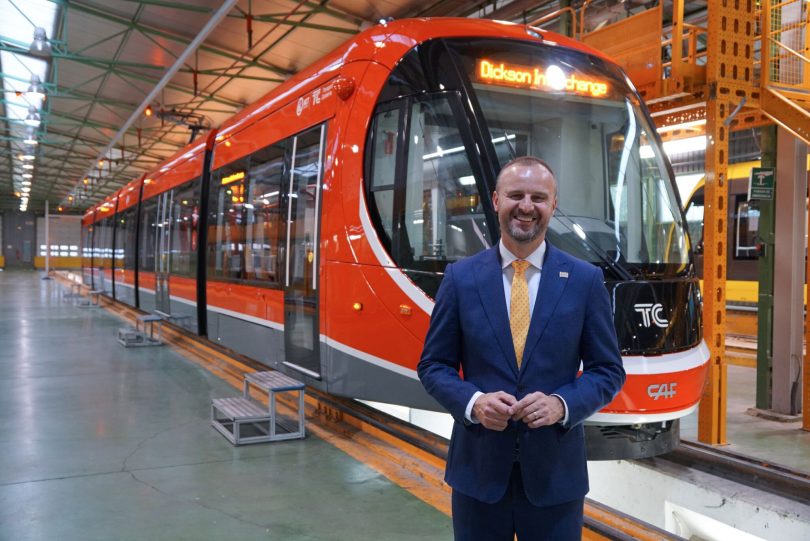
761 183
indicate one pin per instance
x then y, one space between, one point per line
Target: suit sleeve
441 360
602 371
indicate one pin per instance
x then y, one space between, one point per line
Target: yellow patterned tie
519 315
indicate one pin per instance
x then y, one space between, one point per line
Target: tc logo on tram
651 313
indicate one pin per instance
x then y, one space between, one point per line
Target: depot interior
96 94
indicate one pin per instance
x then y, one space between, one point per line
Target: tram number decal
651 313
663 390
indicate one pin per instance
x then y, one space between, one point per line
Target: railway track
746 470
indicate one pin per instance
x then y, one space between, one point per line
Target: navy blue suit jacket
469 330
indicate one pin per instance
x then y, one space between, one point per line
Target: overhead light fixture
27 157
33 119
148 111
40 46
36 88
26 182
28 166
25 189
27 175
32 142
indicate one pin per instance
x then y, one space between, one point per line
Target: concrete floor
781 443
103 442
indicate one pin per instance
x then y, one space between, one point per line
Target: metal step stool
130 337
73 290
93 301
242 421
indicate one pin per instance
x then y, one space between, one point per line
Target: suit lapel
553 279
489 279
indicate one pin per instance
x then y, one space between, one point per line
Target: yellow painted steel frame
806 360
785 65
729 72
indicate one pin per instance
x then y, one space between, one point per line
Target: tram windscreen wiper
512 152
614 265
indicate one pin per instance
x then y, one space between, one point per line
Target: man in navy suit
510 331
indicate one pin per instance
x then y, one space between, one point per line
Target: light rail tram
310 231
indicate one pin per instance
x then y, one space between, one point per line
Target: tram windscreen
616 204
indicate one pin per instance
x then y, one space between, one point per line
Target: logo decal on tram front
664 390
651 313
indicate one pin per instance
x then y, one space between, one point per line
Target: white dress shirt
533 272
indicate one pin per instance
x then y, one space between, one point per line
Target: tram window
149 236
125 237
383 167
87 244
103 259
104 243
304 188
227 208
246 206
443 214
746 227
694 220
263 214
183 217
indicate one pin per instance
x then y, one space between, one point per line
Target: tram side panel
263 253
167 239
103 247
372 329
742 235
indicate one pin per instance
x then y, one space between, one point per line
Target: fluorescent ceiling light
682 146
682 126
18 20
673 148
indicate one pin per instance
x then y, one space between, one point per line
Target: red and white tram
310 231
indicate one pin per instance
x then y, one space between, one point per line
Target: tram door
301 325
164 239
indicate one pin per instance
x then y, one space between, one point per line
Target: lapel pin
563 274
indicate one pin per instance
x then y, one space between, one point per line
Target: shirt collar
535 258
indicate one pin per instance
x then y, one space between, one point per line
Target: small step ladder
72 291
242 421
129 337
93 301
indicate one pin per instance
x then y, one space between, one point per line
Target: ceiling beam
79 6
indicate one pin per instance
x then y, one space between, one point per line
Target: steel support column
712 415
788 298
767 213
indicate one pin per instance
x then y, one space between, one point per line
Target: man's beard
521 235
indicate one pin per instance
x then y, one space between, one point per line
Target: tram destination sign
761 183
